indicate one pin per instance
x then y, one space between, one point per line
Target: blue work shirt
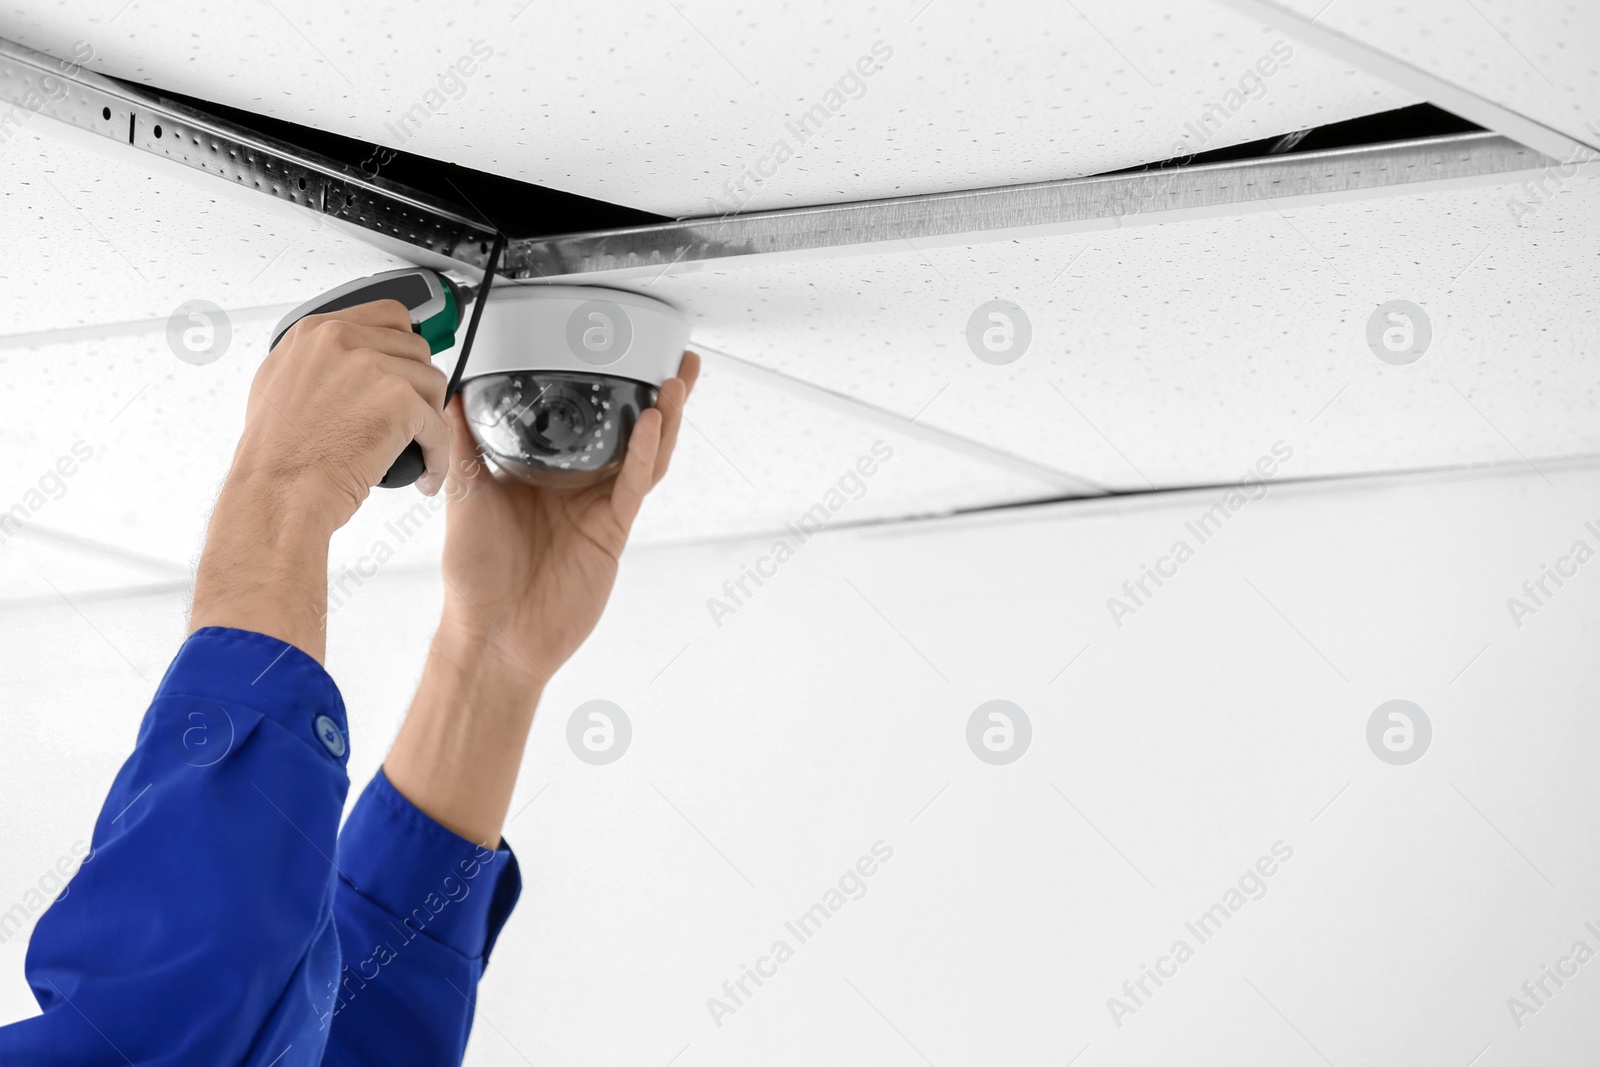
222 917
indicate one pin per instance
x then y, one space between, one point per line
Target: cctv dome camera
559 375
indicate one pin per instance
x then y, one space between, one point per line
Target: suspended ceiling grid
1159 358
1175 354
1145 371
656 105
163 430
94 236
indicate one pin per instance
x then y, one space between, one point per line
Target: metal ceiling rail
38 84
1157 194
413 223
387 212
1454 98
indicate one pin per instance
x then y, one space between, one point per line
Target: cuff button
328 733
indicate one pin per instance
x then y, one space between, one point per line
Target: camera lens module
555 427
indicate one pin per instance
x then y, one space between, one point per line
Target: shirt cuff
426 877
230 668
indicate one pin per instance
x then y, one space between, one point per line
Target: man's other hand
527 572
331 407
532 567
336 401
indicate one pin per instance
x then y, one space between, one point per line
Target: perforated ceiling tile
666 106
1177 354
96 233
1163 355
1536 57
149 438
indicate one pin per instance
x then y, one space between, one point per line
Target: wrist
477 648
461 746
264 566
290 499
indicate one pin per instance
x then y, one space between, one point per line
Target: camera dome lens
558 428
559 421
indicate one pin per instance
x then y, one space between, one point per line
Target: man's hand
527 573
530 568
332 405
337 400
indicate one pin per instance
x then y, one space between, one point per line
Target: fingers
426 384
674 394
383 325
387 314
638 469
689 370
429 381
430 430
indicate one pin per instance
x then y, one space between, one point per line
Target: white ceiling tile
1174 354
1536 57
98 233
1167 355
656 105
159 435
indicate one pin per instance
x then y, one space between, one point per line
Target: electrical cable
477 313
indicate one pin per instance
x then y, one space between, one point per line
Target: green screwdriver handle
434 304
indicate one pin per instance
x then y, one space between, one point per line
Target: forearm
528 570
460 747
264 567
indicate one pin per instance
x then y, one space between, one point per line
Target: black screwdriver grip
410 464
405 469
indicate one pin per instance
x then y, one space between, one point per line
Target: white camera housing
526 328
560 373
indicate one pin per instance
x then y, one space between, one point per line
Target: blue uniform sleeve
418 909
200 928
205 926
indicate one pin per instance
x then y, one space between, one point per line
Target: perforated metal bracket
1154 195
390 212
32 82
